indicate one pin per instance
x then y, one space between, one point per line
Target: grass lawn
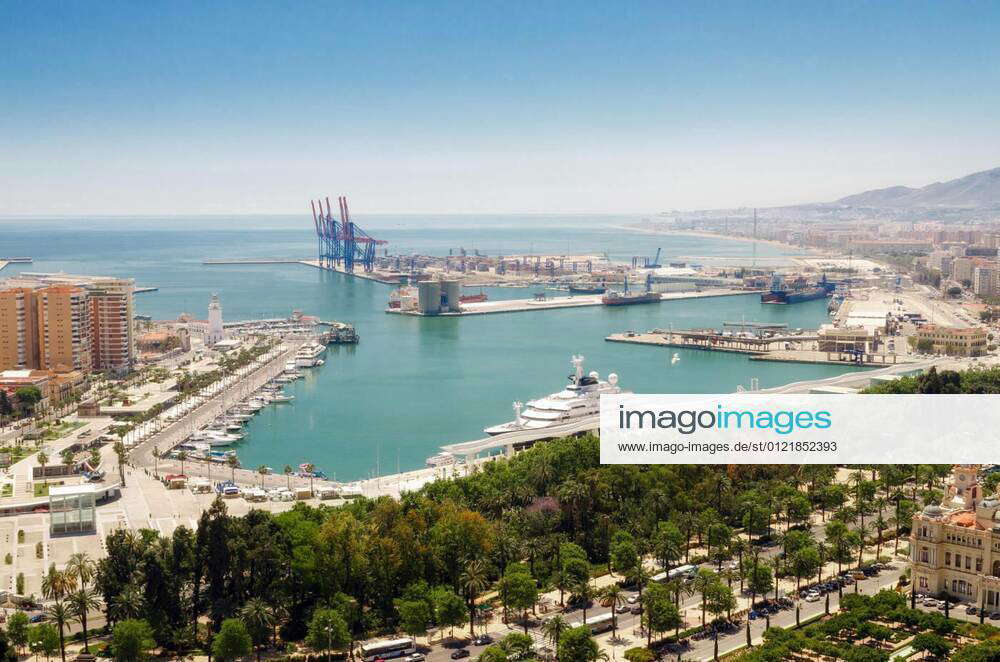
56 431
42 489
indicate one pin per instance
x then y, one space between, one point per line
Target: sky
223 107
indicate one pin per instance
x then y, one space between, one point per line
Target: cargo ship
473 298
587 289
780 294
626 298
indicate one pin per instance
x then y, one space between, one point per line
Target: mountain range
980 189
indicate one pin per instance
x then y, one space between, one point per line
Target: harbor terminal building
955 547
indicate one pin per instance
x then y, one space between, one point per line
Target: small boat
587 289
443 459
675 358
282 397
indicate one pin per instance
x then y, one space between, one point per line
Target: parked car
460 653
415 657
812 597
483 640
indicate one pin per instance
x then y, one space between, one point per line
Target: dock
552 303
785 348
4 261
364 275
709 339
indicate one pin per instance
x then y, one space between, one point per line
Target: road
629 628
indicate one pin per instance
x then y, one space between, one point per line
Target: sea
413 384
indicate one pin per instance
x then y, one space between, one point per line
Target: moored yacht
580 398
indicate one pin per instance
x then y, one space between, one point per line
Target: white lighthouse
214 321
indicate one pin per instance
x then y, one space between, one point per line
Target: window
923 555
968 562
947 558
923 582
979 565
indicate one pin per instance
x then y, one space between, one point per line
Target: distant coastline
713 235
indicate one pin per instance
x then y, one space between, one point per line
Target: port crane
341 243
647 263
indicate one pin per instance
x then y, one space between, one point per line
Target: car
483 640
416 657
37 618
636 609
632 599
941 605
460 653
971 610
930 602
812 597
995 616
623 609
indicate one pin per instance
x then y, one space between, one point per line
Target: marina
375 406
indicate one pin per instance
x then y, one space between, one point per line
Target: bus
597 624
685 572
385 649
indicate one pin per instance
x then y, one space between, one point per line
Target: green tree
449 609
327 631
232 641
519 590
43 638
61 615
931 643
414 616
474 580
258 619
553 630
576 645
81 602
131 639
17 629
659 612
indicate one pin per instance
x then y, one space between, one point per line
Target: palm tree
156 456
279 615
233 462
182 456
81 602
639 576
701 583
553 629
258 618
474 580
61 614
43 459
120 451
310 469
128 604
262 470
81 566
613 596
288 476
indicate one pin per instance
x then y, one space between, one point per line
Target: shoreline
807 252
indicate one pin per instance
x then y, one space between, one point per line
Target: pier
232 392
709 339
800 348
551 303
4 261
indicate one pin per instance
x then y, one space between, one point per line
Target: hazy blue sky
476 106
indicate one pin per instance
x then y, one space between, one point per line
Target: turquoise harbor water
411 384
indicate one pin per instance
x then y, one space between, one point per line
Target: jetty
4 261
552 303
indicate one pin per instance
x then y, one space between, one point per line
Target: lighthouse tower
214 321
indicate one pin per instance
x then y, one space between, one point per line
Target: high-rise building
984 279
63 323
215 331
64 328
111 315
18 333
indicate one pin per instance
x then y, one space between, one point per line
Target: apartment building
64 323
984 279
64 329
18 333
111 314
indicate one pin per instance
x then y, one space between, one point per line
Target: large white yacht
309 355
582 397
